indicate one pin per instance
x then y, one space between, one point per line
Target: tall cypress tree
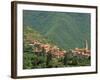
65 58
49 58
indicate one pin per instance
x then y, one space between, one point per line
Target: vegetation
65 29
61 30
43 59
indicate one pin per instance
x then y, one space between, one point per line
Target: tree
27 61
75 61
49 58
66 58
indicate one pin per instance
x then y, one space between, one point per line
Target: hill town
39 47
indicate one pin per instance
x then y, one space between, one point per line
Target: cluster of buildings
56 52
47 48
82 51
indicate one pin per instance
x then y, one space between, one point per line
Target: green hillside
30 34
42 59
67 30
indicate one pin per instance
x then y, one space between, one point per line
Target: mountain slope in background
67 30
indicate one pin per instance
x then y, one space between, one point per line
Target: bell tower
86 44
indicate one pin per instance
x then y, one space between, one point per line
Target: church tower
86 44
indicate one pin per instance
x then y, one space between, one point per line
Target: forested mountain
67 30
